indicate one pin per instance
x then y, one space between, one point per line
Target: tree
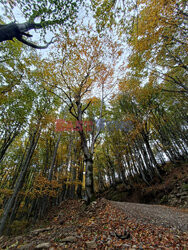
19 183
14 111
156 33
158 41
50 14
81 69
22 118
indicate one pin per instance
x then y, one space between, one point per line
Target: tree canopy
39 15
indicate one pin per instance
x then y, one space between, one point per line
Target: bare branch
174 91
34 45
86 107
70 110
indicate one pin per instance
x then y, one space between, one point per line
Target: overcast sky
17 16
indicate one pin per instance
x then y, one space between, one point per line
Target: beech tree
156 33
49 13
14 69
80 69
24 116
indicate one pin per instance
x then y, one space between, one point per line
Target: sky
17 15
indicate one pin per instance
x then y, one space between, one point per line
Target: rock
74 234
19 238
43 245
125 246
160 236
172 196
184 193
134 247
93 203
2 238
69 239
61 222
183 199
112 233
125 235
91 244
62 244
26 246
40 230
14 245
109 242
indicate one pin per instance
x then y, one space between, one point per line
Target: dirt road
155 214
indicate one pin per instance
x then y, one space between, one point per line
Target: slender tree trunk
73 171
80 178
112 168
89 179
43 202
53 158
20 181
6 145
100 182
150 152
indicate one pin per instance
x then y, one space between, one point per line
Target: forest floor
105 225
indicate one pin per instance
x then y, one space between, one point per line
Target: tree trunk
89 179
150 152
80 178
11 30
14 30
88 158
73 175
53 158
19 183
6 145
100 182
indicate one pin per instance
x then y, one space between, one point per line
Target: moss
119 196
57 239
18 226
185 186
121 187
164 199
1 211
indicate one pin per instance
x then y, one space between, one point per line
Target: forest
93 94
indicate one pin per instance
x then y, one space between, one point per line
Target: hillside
171 191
